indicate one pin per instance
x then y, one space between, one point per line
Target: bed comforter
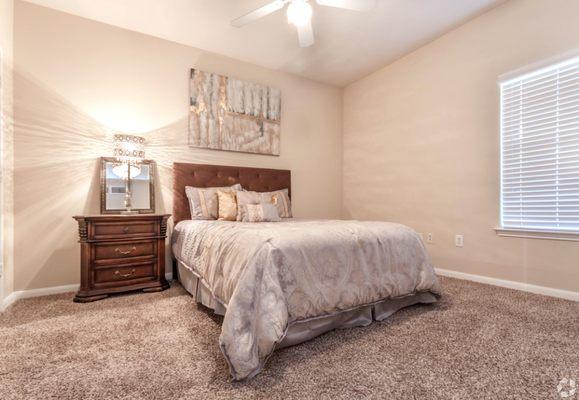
269 275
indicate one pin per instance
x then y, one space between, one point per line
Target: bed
279 284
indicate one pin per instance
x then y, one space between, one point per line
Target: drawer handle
126 229
126 251
118 273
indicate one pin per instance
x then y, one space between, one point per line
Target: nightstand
121 253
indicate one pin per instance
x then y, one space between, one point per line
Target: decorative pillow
264 212
243 199
282 201
279 198
227 205
203 202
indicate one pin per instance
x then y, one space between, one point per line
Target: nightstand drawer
119 230
125 273
124 250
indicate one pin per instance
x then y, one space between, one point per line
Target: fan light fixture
299 13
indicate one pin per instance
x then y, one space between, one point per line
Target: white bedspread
272 274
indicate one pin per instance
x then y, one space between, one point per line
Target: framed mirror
114 179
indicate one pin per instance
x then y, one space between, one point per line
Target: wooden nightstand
121 253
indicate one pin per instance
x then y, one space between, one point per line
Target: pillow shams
203 202
279 198
282 201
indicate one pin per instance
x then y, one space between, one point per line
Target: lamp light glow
129 151
122 170
299 12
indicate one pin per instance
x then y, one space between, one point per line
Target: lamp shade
129 149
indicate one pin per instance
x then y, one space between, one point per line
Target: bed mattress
279 284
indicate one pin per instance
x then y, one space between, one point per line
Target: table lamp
129 151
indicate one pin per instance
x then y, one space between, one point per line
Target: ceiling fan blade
356 5
305 34
259 13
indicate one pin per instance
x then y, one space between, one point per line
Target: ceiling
349 44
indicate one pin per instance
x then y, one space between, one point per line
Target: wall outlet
430 238
459 240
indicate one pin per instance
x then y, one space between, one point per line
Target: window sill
538 234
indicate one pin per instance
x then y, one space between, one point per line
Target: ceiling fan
299 14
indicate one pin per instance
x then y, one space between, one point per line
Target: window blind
540 149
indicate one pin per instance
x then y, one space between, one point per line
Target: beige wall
420 136
7 190
78 81
421 142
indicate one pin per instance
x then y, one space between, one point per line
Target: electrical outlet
459 240
430 238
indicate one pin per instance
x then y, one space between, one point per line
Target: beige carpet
479 342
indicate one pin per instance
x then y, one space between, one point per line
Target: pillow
203 202
282 201
243 199
227 205
263 212
279 198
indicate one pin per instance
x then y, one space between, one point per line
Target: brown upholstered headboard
201 175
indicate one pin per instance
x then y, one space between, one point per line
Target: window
540 149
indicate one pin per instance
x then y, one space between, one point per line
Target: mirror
114 183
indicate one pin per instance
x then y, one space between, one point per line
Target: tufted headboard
201 175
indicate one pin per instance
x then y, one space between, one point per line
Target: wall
78 81
6 180
421 142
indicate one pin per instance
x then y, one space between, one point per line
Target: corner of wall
6 149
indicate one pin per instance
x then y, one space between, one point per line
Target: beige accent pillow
264 212
203 202
279 198
243 199
227 205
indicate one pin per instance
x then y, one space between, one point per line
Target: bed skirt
304 330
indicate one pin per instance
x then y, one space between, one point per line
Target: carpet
478 342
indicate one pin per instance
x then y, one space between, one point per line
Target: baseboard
525 287
563 294
8 301
26 294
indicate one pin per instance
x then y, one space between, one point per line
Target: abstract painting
233 115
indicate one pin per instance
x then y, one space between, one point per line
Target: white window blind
540 149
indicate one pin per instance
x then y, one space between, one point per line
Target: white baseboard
563 294
8 301
26 294
525 287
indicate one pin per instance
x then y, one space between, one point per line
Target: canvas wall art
233 115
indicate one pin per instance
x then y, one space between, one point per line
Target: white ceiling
349 44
